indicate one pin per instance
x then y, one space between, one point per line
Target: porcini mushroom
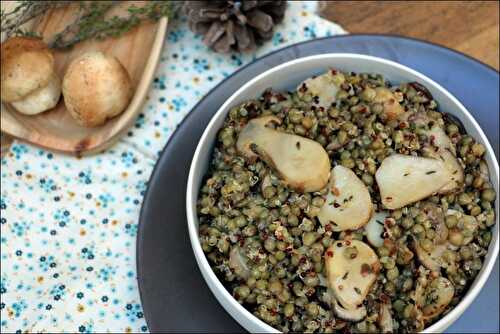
405 179
96 87
351 267
447 153
300 162
348 203
323 88
28 78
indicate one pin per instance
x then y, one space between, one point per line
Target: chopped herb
348 199
297 145
358 291
345 275
430 172
379 222
406 174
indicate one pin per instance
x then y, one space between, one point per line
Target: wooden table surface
471 27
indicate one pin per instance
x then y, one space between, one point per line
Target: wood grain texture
471 27
138 50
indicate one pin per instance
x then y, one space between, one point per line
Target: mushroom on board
28 78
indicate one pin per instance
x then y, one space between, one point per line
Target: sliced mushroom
238 263
301 162
392 108
422 281
351 268
385 318
437 295
440 139
355 314
405 179
447 153
431 260
375 229
322 88
348 204
456 170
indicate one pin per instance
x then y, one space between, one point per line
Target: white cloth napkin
68 225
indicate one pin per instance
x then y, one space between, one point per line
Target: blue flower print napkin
68 225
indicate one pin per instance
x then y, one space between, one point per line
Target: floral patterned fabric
68 225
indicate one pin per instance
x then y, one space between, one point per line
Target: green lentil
488 195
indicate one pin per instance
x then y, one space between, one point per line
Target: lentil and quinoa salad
348 205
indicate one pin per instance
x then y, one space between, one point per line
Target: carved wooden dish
138 50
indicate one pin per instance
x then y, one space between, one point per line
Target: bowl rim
222 294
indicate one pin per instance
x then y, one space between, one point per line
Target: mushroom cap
40 100
26 65
96 87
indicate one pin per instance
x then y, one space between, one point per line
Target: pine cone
234 25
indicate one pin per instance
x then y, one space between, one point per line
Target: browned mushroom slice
430 259
392 108
446 152
440 139
301 162
355 314
405 179
348 203
322 88
437 295
456 170
351 268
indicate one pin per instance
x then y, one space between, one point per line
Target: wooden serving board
139 52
